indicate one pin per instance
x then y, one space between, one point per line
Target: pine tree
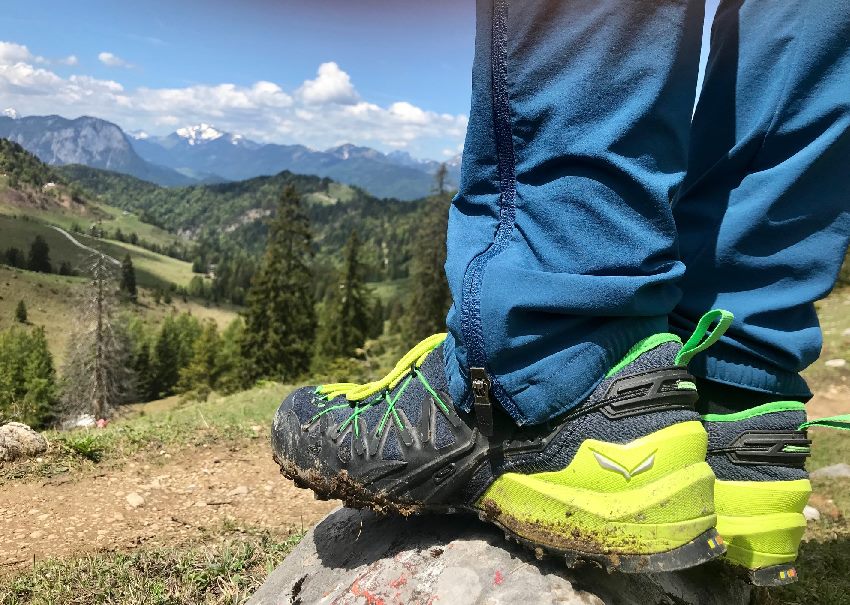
166 359
39 257
40 380
15 258
65 268
376 324
128 278
172 352
281 318
97 374
201 374
21 312
143 369
231 371
348 312
27 377
429 299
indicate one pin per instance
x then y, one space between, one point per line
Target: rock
835 363
20 441
846 332
825 506
842 469
135 500
357 557
811 513
241 490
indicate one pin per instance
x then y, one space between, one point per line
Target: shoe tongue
434 369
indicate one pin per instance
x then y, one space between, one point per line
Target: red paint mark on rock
498 578
359 591
399 582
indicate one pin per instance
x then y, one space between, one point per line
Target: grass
144 429
227 572
389 291
834 315
52 300
20 233
152 270
108 217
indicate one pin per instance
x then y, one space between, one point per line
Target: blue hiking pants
594 210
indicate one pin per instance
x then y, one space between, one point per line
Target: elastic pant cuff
728 366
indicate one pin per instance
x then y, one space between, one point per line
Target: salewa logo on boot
612 465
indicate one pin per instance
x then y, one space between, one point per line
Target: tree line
298 322
36 259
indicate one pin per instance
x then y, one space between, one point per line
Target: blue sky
391 74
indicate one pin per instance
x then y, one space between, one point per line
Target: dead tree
97 375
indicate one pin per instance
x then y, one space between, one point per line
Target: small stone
840 470
846 333
241 490
835 363
36 535
135 500
118 517
811 513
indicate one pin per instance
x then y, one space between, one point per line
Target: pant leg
764 213
561 242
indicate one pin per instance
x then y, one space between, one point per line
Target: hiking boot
621 479
758 456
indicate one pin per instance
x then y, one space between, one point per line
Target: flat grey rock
357 558
842 469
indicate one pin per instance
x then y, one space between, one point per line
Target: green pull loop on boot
702 338
841 422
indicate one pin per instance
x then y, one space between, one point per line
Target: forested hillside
229 221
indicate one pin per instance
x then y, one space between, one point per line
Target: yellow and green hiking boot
620 479
758 456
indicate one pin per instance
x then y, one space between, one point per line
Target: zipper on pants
483 384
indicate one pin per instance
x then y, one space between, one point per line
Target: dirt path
79 244
191 494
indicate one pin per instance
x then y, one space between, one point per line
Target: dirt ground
178 499
830 401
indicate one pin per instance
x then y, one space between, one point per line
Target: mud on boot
621 479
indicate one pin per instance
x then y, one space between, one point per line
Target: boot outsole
703 548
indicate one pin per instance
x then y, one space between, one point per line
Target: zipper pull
482 402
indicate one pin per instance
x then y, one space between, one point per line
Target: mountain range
202 154
89 141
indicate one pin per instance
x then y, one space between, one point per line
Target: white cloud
16 53
319 113
111 60
332 85
71 60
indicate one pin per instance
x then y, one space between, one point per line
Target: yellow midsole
650 495
761 521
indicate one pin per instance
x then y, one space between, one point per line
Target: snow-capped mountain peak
202 133
11 112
